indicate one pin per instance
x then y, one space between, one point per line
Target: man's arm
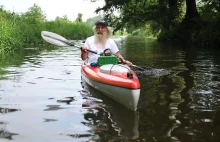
123 60
84 53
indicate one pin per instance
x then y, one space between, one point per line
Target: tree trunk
191 11
173 11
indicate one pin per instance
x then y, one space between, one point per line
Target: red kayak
117 81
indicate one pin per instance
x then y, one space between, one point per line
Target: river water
42 97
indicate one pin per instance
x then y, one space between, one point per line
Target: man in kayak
99 42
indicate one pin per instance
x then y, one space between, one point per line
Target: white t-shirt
99 48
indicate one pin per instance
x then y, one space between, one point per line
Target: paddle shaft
138 67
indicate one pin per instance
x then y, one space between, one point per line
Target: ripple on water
66 100
8 110
202 92
49 120
86 136
6 135
53 108
152 72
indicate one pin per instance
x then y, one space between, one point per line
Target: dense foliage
20 30
191 21
187 21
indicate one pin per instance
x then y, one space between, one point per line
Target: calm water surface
42 97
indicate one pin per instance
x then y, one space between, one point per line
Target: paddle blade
54 39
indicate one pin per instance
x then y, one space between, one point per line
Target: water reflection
204 97
41 92
151 72
53 108
110 120
4 134
7 110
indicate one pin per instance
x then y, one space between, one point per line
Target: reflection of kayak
107 114
116 81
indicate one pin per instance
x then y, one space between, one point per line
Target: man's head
102 31
102 22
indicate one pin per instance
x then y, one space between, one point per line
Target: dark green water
42 97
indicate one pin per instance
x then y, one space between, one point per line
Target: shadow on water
109 119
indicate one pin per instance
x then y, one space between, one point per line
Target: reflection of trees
163 96
178 95
184 105
14 60
135 49
204 117
154 111
175 95
176 100
2 74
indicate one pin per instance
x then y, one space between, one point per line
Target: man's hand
127 62
84 49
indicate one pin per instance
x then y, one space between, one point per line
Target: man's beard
101 38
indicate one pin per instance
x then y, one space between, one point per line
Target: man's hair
109 29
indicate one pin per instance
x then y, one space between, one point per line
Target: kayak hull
118 87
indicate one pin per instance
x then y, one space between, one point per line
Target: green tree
34 14
79 18
33 24
134 14
169 19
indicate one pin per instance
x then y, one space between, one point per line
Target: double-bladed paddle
58 40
